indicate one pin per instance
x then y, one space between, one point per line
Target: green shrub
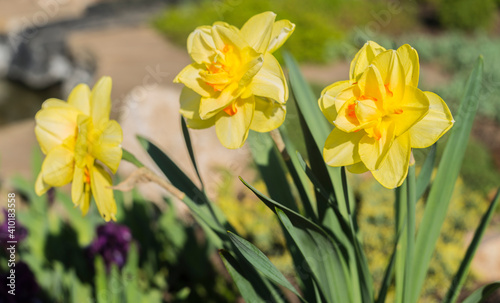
466 14
317 26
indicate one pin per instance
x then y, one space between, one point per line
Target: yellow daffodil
234 82
80 143
379 114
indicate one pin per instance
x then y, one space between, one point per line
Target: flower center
231 109
87 175
221 70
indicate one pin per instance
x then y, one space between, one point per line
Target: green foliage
376 220
465 14
318 27
480 174
165 258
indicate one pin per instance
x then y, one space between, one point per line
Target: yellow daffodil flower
80 143
234 82
379 114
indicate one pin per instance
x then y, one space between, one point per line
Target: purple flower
112 243
26 288
18 234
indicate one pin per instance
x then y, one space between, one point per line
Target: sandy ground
27 13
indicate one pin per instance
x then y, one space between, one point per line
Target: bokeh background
156 251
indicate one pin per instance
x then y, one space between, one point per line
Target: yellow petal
82 141
84 205
190 109
282 29
252 67
77 187
270 81
347 121
371 84
209 106
411 66
344 96
367 111
411 109
363 58
190 76
57 168
394 168
53 103
393 75
107 147
434 124
341 148
327 100
200 45
227 35
54 125
100 183
80 98
373 151
232 131
268 115
100 101
357 168
40 186
257 31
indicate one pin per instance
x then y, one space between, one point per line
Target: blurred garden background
156 251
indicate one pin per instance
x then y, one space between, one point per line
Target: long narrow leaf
424 178
442 188
322 258
271 169
189 146
251 286
298 176
461 275
410 232
315 129
258 260
482 293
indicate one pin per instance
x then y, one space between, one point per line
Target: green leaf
195 199
298 175
364 279
322 257
317 185
463 270
270 166
410 232
447 174
315 129
482 293
389 270
258 260
128 156
189 146
174 174
424 178
252 287
101 285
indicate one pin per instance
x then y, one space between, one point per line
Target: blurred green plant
376 222
465 14
166 259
